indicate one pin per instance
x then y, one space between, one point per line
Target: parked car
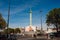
8 37
54 34
3 37
12 37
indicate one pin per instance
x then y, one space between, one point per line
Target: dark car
54 34
12 37
3 37
8 37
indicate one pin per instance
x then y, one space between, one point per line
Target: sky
19 11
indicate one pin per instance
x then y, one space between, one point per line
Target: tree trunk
56 27
57 22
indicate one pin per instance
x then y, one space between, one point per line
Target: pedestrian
34 36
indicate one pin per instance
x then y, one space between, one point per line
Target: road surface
31 38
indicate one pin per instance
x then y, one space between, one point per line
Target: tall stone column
30 17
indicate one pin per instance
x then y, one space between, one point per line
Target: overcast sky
19 11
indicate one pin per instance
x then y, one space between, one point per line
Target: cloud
44 26
19 8
27 5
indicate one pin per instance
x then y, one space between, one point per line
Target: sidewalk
55 39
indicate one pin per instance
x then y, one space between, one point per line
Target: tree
17 30
53 17
9 30
2 22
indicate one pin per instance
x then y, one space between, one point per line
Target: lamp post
8 14
41 20
8 17
24 29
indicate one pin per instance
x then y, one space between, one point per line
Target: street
31 38
38 38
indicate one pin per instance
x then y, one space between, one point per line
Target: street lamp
41 19
8 14
8 17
